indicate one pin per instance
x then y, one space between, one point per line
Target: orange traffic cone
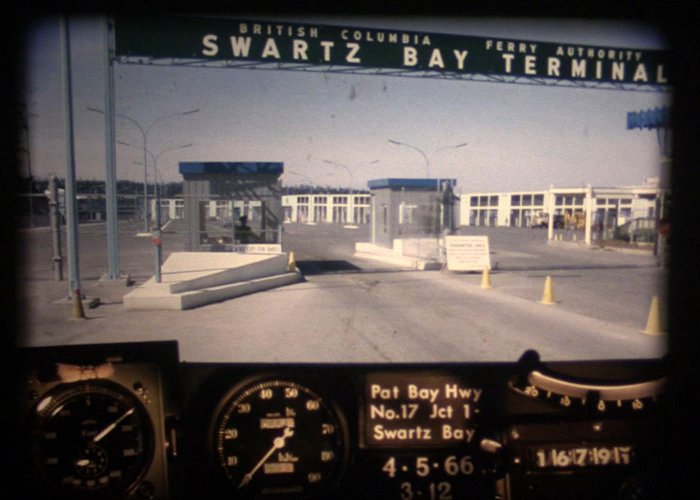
486 278
654 319
291 263
77 310
548 296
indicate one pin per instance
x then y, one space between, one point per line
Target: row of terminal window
538 201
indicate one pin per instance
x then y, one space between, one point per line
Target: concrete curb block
158 298
400 261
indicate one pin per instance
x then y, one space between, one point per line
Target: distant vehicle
541 220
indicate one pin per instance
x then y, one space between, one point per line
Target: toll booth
232 206
411 208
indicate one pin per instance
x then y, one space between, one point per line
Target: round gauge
276 437
90 439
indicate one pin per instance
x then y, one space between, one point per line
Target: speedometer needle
111 426
276 445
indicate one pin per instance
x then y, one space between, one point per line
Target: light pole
144 134
427 162
295 217
156 231
347 169
427 172
451 147
154 158
349 210
307 179
351 200
425 157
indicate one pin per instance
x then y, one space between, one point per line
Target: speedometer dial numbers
276 437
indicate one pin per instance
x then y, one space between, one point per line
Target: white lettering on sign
431 409
410 56
419 433
530 68
270 49
240 46
513 47
508 59
454 391
460 55
436 59
414 392
210 46
553 65
457 434
353 46
299 48
327 46
353 49
379 392
438 411
272 248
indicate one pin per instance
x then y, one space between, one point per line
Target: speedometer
277 437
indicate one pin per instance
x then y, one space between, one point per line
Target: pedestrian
243 231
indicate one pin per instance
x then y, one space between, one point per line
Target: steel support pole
55 218
589 215
71 205
110 157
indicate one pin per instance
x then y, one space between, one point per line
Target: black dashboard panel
133 421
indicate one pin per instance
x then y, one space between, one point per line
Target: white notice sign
258 248
467 253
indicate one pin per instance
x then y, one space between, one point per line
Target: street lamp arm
155 158
425 157
144 131
452 147
144 134
347 169
173 115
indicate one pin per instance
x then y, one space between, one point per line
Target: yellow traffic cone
291 263
548 296
77 310
486 278
654 319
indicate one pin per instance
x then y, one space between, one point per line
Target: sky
334 129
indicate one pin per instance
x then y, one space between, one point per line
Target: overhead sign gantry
247 43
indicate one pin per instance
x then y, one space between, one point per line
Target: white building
332 208
598 211
297 208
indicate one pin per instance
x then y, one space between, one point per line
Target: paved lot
355 310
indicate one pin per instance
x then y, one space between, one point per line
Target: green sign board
223 40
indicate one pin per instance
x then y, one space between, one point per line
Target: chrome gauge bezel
120 431
297 439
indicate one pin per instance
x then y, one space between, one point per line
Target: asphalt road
355 310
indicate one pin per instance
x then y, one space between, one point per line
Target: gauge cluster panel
95 423
132 421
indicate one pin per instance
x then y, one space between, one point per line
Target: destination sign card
426 410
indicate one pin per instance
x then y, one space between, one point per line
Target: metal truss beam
315 68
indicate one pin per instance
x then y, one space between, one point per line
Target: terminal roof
409 183
231 167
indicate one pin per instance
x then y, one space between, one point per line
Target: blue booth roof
231 167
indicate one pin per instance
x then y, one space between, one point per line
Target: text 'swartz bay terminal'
208 40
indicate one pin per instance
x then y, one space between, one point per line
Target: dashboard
132 420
